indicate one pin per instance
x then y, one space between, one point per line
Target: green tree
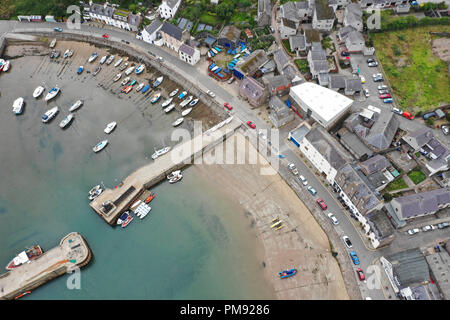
224 10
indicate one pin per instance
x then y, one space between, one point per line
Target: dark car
345 53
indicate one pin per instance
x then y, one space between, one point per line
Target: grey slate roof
172 30
422 203
281 59
277 81
337 81
134 19
355 37
276 104
316 46
410 267
318 55
297 42
171 3
101 10
344 32
383 131
290 72
288 23
324 12
252 88
353 84
374 164
321 66
421 136
187 49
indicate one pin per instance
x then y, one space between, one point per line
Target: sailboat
103 59
50 114
52 93
118 62
66 121
77 104
117 77
174 92
38 91
177 122
100 146
186 101
186 112
169 108
140 86
160 152
157 82
193 102
156 97
167 102
110 59
110 127
93 56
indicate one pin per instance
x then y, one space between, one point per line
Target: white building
150 32
189 54
168 8
115 17
323 105
323 16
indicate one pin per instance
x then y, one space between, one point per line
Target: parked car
428 228
373 64
227 105
383 91
382 87
397 111
408 115
360 274
445 130
293 169
347 242
251 124
212 94
333 218
303 180
345 53
58 29
322 204
429 115
363 80
377 75
370 60
388 100
105 35
413 231
366 93
312 190
354 257
443 225
160 59
385 96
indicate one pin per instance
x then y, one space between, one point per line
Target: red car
360 274
385 96
105 35
322 204
227 105
408 115
251 124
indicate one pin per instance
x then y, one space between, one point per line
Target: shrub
430 121
387 197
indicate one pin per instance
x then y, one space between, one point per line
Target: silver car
413 231
303 180
397 111
366 93
333 219
347 242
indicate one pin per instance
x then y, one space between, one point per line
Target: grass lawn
302 65
418 78
287 45
396 185
209 19
417 176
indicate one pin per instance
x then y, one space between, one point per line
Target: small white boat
18 106
95 194
123 66
110 59
6 66
176 178
94 189
193 102
173 174
167 102
177 122
97 71
103 59
140 69
209 54
100 146
93 57
174 92
50 114
38 91
186 112
134 205
140 86
66 54
129 70
156 97
160 152
52 93
53 43
169 108
157 82
66 121
70 53
214 50
117 77
125 81
118 62
77 104
186 101
110 127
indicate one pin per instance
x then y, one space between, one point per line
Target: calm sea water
195 243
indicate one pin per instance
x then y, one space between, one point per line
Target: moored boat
6 66
50 114
93 57
157 82
2 63
287 273
146 88
100 146
52 93
94 189
173 174
193 102
110 59
123 67
127 89
169 108
118 62
167 102
140 69
97 71
25 257
38 91
66 53
156 97
186 101
174 92
53 43
127 221
18 106
103 59
80 69
150 197
123 217
110 127
117 77
140 86
125 81
133 82
22 294
182 95
95 194
160 152
177 122
77 104
66 121
186 112
176 178
129 70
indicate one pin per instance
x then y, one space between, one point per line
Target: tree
224 10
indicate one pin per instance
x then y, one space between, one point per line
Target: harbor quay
72 252
111 203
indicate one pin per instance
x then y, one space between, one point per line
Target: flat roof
325 102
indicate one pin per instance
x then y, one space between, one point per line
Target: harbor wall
2 45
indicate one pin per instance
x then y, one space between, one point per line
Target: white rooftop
325 102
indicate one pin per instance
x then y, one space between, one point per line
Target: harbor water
195 243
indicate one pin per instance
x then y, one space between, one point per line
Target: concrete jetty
113 202
72 252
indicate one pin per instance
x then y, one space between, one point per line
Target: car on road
333 219
312 190
429 115
445 130
366 93
377 75
413 231
370 60
322 204
363 80
293 169
345 53
212 94
303 180
383 91
105 35
382 87
428 228
385 96
354 257
160 59
408 115
397 111
347 242
443 225
227 105
373 64
388 100
231 80
251 124
58 29
360 274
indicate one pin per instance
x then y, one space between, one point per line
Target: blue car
388 100
354 257
58 29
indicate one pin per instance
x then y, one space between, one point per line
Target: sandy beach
301 243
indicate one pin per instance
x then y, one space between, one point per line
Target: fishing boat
80 69
127 221
66 53
140 69
140 86
122 218
24 257
125 81
52 93
182 95
287 273
53 43
94 189
167 102
160 152
118 62
100 146
193 102
50 114
173 174
127 89
133 82
178 122
52 55
38 91
103 59
150 197
18 106
22 294
146 88
110 59
134 205
129 70
142 210
209 54
93 57
214 50
176 178
117 77
77 104
70 53
156 97
110 127
66 121
123 67
95 194
6 66
186 101
97 71
157 82
169 108
186 112
57 54
174 92
2 63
